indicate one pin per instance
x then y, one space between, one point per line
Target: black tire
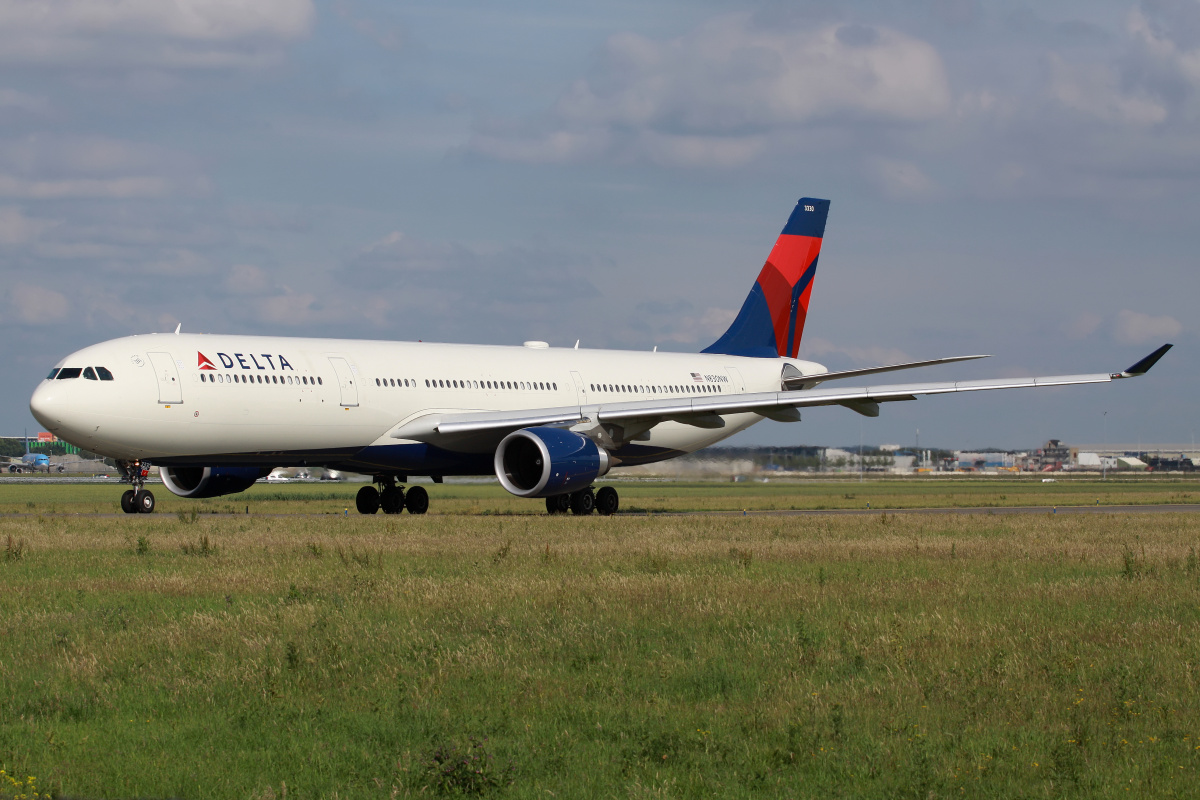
144 501
583 502
416 500
391 500
367 500
552 505
127 502
607 501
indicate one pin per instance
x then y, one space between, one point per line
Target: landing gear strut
139 499
391 498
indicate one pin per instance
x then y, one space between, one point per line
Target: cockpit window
53 372
104 374
66 373
90 374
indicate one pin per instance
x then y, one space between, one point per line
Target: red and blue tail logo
771 321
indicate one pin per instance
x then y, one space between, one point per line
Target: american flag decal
697 377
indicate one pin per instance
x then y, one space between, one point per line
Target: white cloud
901 180
1083 326
712 96
37 305
1136 328
133 186
195 33
16 228
816 347
1094 89
64 167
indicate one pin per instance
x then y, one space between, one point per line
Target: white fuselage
202 399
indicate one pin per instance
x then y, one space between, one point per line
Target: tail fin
771 321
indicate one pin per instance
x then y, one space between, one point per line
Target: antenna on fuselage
576 344
177 327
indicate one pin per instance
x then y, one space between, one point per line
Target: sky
1017 180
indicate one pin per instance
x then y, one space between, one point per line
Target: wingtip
1143 366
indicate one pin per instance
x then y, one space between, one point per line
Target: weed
548 555
363 559
315 550
1132 566
502 553
741 557
14 549
453 770
656 562
143 546
821 577
188 517
293 653
295 595
203 547
1192 565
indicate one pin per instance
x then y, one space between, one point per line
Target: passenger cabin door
735 378
170 389
580 389
345 376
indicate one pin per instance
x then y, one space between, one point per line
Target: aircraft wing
706 411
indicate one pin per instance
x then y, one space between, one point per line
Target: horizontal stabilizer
795 380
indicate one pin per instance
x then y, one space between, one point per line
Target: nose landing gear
139 499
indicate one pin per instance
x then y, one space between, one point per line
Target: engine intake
200 482
543 462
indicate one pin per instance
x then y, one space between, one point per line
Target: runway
1161 508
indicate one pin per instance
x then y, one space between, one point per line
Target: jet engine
200 482
543 462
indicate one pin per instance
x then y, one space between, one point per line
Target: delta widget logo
203 361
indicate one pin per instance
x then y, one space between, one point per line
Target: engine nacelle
542 462
200 482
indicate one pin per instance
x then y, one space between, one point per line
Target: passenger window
555 385
377 381
66 373
53 372
319 381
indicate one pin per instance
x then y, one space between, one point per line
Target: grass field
210 656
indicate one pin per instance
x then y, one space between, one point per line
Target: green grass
877 656
645 496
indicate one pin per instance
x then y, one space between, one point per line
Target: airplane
215 413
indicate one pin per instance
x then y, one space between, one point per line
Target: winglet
1143 366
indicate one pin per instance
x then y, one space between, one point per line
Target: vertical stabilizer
771 321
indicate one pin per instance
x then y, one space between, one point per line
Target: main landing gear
391 498
585 501
139 499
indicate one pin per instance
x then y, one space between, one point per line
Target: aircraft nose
46 406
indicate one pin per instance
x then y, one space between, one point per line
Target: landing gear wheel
127 502
583 502
558 504
367 500
391 500
144 502
607 501
416 500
